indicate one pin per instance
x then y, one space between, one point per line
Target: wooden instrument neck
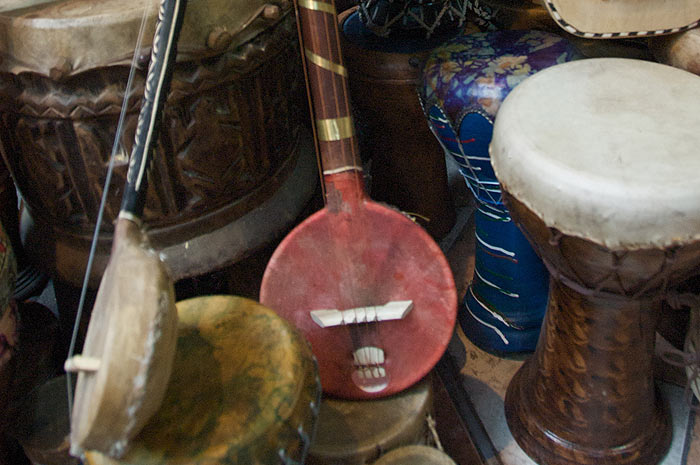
328 86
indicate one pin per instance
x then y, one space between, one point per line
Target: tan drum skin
244 389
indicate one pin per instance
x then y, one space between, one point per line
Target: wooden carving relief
232 123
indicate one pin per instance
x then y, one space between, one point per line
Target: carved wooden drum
464 82
244 389
233 166
598 161
356 432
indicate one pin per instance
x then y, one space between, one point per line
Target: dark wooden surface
230 137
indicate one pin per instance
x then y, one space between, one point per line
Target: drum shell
592 267
415 455
352 432
231 136
408 165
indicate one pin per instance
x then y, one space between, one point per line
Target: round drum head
614 157
132 335
372 256
241 391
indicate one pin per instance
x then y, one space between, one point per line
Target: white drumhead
605 149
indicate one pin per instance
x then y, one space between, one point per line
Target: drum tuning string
148 5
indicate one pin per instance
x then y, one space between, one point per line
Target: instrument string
369 334
344 244
105 191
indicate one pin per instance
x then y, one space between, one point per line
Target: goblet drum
598 163
227 176
464 82
244 389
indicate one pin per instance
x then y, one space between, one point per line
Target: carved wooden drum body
244 389
232 138
464 82
598 160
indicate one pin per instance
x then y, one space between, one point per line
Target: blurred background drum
532 14
408 167
42 424
356 432
234 164
244 389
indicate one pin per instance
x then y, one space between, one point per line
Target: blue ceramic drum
464 82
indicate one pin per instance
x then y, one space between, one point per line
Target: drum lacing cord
596 289
687 359
384 29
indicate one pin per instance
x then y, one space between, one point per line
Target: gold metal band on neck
332 129
317 6
318 60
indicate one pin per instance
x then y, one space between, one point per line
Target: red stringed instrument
369 288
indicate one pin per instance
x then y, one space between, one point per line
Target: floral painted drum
464 82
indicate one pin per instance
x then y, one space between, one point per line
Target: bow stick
130 343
